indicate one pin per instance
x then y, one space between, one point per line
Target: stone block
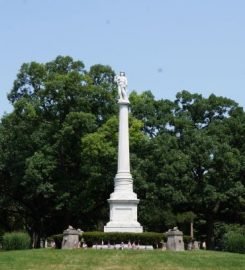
175 240
70 238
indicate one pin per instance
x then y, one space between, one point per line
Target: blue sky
163 45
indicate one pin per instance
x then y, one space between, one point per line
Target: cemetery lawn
52 259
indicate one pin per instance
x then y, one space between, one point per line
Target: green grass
51 259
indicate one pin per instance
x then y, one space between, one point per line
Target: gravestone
70 238
175 240
196 245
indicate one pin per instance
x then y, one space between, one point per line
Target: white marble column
123 140
123 180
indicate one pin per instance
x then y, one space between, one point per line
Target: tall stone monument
123 201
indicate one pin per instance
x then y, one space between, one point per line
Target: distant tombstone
175 240
164 246
196 245
42 242
189 246
70 238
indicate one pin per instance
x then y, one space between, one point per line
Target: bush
57 239
221 231
146 238
16 240
187 239
234 241
93 238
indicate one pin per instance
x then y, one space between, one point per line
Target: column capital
123 102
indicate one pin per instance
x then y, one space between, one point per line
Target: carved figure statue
122 84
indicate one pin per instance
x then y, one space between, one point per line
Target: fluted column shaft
123 140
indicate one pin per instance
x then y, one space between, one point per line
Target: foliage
230 237
93 238
16 241
234 242
146 238
57 238
187 239
196 164
43 184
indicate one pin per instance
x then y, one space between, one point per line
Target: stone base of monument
123 216
70 238
120 227
175 240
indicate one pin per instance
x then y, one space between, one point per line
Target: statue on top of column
122 84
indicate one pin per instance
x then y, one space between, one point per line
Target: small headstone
70 238
148 247
175 240
164 246
189 246
196 245
122 246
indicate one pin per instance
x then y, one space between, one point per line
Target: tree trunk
210 233
36 240
191 230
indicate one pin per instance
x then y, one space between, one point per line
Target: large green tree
55 105
193 162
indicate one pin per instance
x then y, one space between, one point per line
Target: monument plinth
123 201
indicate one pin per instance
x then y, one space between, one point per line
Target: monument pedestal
70 238
175 240
123 217
123 206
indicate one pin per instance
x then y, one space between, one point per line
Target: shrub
234 241
93 238
221 231
146 238
187 239
57 239
16 240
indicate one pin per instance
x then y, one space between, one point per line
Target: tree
55 105
155 114
193 163
214 163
